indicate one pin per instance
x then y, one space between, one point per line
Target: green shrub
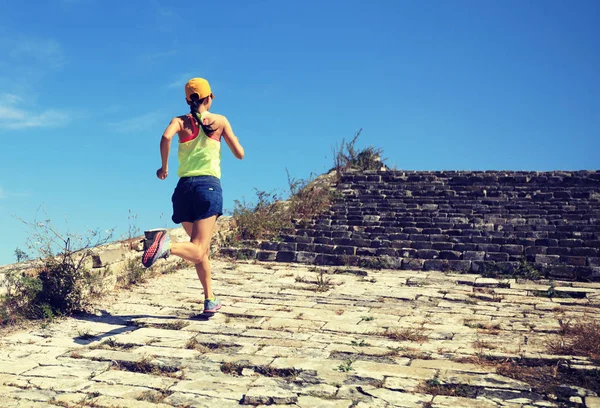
346 156
265 219
60 283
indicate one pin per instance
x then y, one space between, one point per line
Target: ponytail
194 106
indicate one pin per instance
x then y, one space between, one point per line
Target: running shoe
159 248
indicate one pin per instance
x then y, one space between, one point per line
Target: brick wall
456 221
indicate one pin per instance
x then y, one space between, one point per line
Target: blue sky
88 86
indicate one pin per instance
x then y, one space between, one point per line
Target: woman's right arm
165 147
231 140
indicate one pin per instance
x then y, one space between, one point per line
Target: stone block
450 255
366 251
562 251
474 255
462 247
421 245
547 259
324 249
535 250
593 261
459 266
436 265
571 243
323 240
386 251
286 256
512 249
305 257
412 264
306 247
287 246
269 246
496 256
583 251
567 272
105 258
489 247
266 255
344 250
443 246
574 260
427 254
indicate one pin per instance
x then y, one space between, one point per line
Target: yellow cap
199 86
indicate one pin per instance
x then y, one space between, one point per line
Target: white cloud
12 116
139 123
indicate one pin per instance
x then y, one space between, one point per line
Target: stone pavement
290 335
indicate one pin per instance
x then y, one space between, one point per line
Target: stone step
481 262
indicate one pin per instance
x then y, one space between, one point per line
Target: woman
198 198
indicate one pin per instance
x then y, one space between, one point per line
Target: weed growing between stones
435 387
361 343
134 274
407 334
346 366
155 397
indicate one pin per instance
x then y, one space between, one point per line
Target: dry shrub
581 338
408 334
346 156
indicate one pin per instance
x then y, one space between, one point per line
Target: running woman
198 198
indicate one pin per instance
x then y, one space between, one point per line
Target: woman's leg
197 250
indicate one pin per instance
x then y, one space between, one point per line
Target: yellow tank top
199 154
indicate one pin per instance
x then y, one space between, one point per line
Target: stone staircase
462 221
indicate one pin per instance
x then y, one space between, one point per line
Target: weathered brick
512 249
535 250
593 261
412 264
324 249
496 256
386 251
459 266
407 253
574 260
427 253
570 243
305 257
327 259
306 247
287 246
286 256
584 251
323 240
266 255
563 251
344 250
562 271
450 255
421 245
546 242
489 247
448 246
269 246
436 265
465 247
547 259
474 255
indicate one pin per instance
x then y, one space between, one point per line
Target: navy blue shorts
197 198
